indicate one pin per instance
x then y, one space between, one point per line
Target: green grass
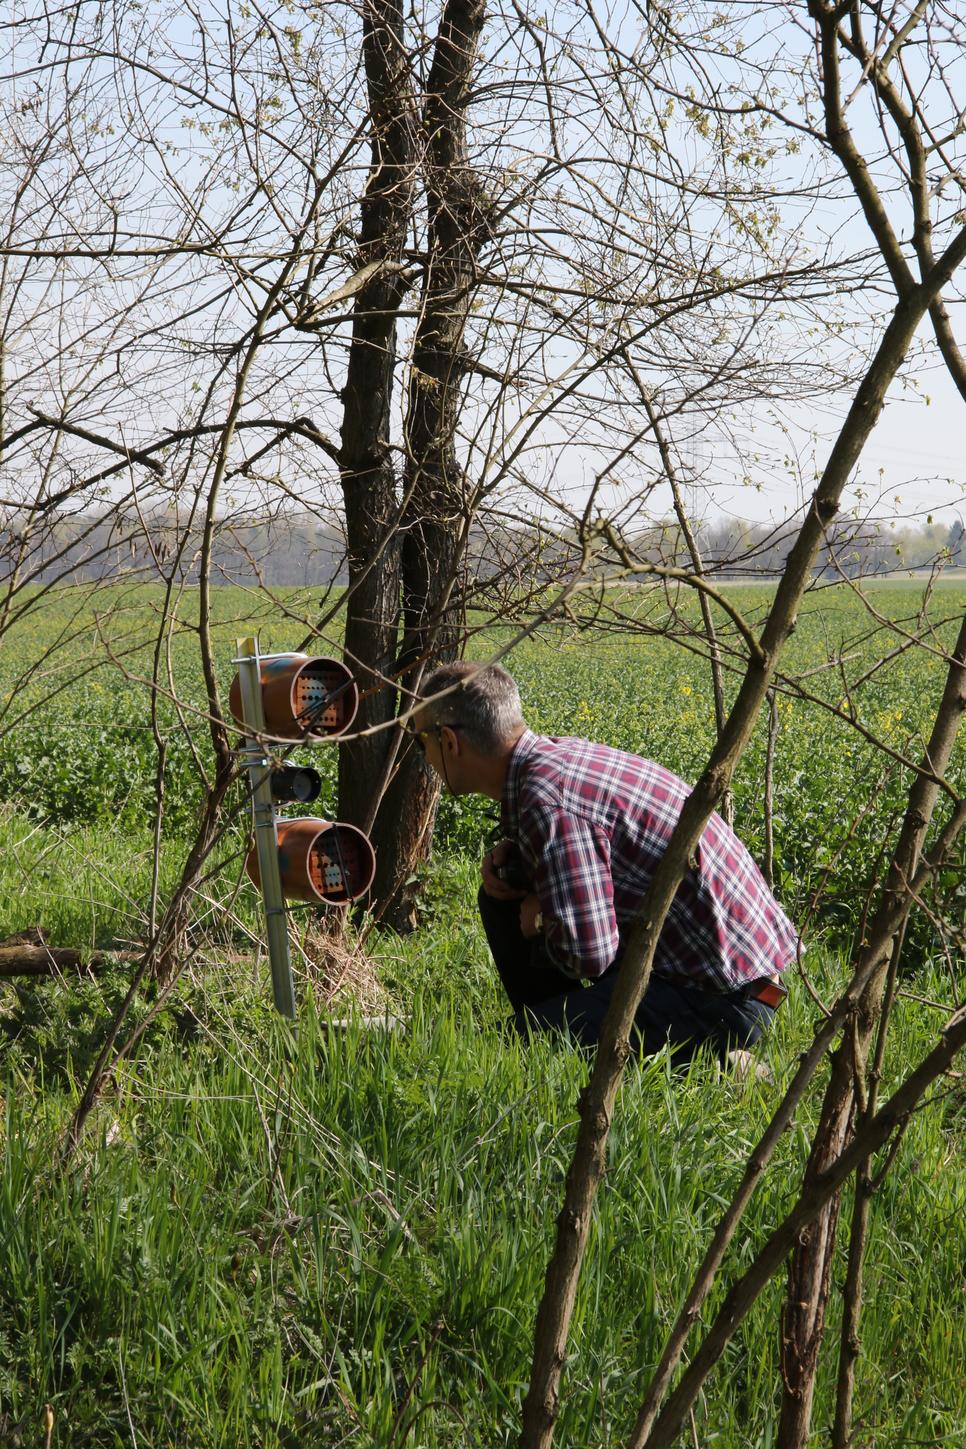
87 756
344 1241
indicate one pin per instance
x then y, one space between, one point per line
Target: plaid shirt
591 824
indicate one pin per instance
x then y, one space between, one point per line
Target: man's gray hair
483 700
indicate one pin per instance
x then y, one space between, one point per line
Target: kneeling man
585 827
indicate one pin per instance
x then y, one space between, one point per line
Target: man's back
592 823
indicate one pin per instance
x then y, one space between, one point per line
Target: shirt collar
510 803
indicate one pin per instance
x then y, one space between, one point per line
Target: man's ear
452 739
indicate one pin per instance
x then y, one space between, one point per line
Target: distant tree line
853 547
287 549
299 548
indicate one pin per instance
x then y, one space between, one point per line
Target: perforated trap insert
322 698
336 865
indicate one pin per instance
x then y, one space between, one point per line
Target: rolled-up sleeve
575 889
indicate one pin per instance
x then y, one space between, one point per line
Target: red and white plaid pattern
591 824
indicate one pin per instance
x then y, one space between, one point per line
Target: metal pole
266 837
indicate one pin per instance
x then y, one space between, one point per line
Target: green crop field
342 1240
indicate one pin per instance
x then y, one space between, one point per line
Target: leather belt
766 990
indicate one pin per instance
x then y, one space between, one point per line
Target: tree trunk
368 476
437 507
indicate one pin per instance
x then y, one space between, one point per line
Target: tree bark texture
368 476
436 510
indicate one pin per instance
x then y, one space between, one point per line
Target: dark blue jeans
543 998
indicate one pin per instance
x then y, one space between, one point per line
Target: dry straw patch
342 972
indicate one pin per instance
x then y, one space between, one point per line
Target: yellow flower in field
685 689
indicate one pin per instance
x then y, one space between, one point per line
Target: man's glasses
436 729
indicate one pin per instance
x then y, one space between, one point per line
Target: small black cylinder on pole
295 784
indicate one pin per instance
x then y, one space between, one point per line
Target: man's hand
529 911
492 884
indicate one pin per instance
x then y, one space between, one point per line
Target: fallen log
25 960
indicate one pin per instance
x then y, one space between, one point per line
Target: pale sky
914 464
